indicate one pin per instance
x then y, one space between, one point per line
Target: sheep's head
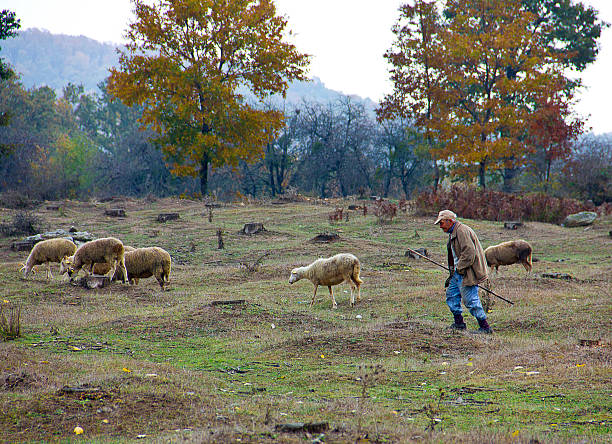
295 275
66 266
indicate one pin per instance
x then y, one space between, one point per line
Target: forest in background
74 141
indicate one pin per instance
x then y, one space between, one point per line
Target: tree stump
411 255
115 212
22 245
165 217
512 225
95 281
326 238
253 228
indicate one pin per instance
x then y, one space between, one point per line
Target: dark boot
484 329
459 323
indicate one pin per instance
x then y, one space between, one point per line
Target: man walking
468 268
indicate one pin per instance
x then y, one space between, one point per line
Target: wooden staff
447 269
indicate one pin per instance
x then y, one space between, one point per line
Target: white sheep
106 250
343 267
47 251
508 253
143 263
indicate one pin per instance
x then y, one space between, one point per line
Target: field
135 363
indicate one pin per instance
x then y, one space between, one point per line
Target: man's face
446 224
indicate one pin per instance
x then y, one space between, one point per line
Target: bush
16 200
23 223
472 203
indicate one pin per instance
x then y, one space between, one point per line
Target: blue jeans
456 292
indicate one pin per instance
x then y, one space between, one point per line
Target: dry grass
174 367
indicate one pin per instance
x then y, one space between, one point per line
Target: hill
230 352
43 58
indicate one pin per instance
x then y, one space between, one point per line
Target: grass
173 367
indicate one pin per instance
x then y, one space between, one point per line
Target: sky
346 38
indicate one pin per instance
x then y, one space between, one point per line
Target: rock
581 219
563 276
309 427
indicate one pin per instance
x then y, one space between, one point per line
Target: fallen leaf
322 356
78 430
5 301
515 433
127 370
579 365
105 421
76 349
470 364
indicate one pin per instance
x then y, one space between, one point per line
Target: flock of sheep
108 256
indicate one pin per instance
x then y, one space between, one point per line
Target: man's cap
445 214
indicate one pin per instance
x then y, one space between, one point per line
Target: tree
413 72
8 28
186 62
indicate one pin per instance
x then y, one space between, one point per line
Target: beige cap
445 214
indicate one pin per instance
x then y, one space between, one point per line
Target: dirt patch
108 411
218 320
384 340
21 381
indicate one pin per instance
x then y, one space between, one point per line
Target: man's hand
448 279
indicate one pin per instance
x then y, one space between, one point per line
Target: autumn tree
9 25
188 62
414 73
480 112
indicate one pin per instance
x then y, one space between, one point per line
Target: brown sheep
143 263
343 267
104 268
508 253
106 250
47 251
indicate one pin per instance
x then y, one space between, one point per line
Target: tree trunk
510 175
436 178
204 175
481 174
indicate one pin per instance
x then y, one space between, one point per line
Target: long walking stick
447 269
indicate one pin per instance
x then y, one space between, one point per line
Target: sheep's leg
314 296
331 293
49 274
527 266
349 281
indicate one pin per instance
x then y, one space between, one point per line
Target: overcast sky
347 39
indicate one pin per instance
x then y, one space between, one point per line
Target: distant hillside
43 58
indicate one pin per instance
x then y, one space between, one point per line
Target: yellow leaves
126 370
515 433
78 430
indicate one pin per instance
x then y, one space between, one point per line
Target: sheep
146 262
106 250
47 251
508 253
343 267
104 268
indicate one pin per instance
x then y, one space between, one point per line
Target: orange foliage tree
479 114
187 62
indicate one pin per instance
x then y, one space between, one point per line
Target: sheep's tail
167 265
355 275
525 256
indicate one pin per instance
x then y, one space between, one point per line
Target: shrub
16 200
23 223
471 203
10 325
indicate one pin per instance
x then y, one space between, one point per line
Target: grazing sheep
104 268
343 267
47 251
146 262
106 250
508 253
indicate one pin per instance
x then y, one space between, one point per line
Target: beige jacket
471 261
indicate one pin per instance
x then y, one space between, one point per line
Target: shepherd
468 268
